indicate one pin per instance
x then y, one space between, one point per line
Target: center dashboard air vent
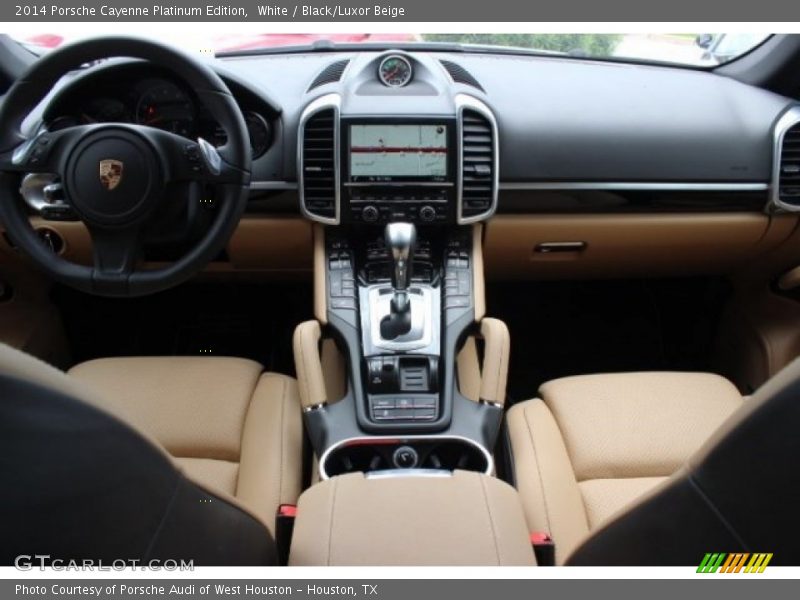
317 168
478 177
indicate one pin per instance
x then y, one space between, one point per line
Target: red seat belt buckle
544 548
284 526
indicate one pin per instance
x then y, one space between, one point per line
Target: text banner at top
461 11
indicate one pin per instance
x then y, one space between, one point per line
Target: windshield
695 49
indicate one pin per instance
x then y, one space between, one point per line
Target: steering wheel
115 175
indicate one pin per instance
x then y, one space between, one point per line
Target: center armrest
408 518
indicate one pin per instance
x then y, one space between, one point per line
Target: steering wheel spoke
200 161
43 152
115 251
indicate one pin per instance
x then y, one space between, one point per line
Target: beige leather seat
227 425
593 445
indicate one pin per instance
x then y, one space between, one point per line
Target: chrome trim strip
36 189
438 184
575 185
404 438
789 119
465 101
635 186
393 473
329 101
273 185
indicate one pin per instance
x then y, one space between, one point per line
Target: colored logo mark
740 562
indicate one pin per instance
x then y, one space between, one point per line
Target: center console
401 374
399 199
440 519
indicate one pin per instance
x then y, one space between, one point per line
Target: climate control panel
426 207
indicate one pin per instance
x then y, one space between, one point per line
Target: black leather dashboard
561 120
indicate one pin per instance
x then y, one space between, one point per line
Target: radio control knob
427 213
370 214
405 457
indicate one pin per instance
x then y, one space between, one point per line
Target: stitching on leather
572 464
247 412
491 520
182 469
301 371
283 440
626 506
496 394
713 507
163 520
244 422
330 519
538 470
222 460
499 371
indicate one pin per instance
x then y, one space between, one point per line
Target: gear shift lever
400 239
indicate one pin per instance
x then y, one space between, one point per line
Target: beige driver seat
592 445
227 424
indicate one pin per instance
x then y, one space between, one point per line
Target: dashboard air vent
789 181
330 74
319 164
478 178
460 75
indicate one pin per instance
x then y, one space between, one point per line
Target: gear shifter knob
400 239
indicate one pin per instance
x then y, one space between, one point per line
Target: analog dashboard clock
395 71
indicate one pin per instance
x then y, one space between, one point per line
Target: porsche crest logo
110 173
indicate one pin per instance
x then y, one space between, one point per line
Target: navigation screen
386 152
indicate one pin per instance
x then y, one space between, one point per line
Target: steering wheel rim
114 207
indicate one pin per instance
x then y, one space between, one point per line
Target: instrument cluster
157 102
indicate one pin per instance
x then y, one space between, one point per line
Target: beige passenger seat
592 445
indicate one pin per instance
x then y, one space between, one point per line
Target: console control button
405 403
405 457
412 408
370 214
380 403
427 213
425 402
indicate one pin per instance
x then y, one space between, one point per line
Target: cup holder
370 454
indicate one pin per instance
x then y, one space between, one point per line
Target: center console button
379 403
456 302
427 213
383 414
428 402
405 403
405 457
370 214
424 414
347 303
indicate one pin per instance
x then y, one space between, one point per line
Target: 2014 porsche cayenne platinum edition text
126 12
400 299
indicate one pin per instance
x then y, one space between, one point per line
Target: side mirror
704 40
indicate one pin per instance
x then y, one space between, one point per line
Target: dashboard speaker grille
789 183
478 164
319 177
330 74
460 75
